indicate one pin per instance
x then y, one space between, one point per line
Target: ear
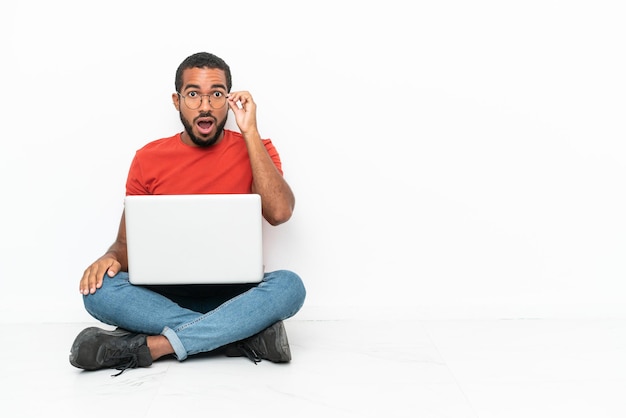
176 101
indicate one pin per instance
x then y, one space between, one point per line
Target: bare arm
277 198
111 263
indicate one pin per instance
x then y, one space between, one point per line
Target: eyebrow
197 87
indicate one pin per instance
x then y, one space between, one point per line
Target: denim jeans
197 318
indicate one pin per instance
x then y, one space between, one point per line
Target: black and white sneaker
270 344
96 348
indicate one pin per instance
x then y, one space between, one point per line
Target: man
205 158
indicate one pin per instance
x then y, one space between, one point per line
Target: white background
449 158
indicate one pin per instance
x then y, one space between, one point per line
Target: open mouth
205 125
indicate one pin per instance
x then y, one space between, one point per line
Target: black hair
202 60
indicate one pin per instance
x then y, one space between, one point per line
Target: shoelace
249 352
131 361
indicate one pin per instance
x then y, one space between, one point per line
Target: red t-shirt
168 166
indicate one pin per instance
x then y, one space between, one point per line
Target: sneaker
270 344
95 348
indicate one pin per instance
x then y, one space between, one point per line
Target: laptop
194 239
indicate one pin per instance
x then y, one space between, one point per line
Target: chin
204 142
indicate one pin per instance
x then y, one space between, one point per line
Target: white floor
486 369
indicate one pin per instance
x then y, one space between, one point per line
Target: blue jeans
197 318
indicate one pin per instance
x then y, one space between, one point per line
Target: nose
204 103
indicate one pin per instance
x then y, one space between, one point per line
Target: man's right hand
94 274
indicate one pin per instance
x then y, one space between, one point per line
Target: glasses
193 99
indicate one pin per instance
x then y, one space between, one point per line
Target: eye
192 94
217 94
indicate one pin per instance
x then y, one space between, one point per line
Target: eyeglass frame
184 97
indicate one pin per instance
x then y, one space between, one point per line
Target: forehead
203 78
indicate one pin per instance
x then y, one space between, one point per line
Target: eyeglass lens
216 100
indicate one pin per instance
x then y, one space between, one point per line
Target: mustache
205 115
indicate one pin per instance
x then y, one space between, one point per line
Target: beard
203 142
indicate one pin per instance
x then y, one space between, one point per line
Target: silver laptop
194 239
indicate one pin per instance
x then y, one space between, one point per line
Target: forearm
277 197
118 251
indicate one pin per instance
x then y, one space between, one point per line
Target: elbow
278 217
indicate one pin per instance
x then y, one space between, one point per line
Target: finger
235 102
92 278
245 99
113 269
87 281
239 94
83 286
233 105
242 97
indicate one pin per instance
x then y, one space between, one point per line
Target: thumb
114 268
